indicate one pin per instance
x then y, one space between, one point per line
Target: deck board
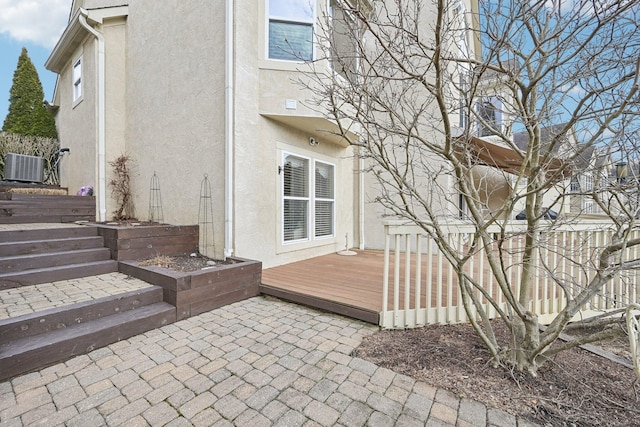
350 284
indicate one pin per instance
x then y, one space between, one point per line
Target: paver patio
259 362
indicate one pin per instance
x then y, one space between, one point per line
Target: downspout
100 103
361 201
229 130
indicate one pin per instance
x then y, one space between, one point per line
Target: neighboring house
592 175
558 143
193 88
625 177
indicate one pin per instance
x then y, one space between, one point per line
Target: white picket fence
420 286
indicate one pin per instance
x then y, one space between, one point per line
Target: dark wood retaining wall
195 292
146 241
18 208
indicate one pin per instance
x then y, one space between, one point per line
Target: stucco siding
175 106
76 121
114 33
165 109
262 88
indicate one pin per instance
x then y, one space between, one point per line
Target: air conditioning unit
18 167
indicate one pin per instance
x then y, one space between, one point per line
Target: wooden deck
347 285
352 285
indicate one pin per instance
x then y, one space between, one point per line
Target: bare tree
433 87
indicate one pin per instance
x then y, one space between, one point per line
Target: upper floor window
575 184
344 40
77 79
588 183
489 116
291 29
588 206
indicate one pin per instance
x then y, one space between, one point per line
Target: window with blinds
295 190
291 29
308 200
324 199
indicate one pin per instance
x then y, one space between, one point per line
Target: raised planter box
24 208
203 290
129 242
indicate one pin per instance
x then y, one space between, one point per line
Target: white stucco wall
75 120
262 88
175 106
115 34
175 93
165 109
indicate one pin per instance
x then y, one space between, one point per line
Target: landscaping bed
196 291
167 256
576 388
141 240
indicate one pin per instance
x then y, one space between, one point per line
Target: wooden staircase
34 256
29 257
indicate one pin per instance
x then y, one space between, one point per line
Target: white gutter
100 104
361 207
229 130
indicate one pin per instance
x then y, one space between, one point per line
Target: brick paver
259 362
30 299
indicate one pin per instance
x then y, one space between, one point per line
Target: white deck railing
420 285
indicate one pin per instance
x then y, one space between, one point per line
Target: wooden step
52 259
45 321
47 233
54 274
35 352
50 245
52 219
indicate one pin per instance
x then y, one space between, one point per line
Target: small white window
575 185
291 29
77 79
588 183
588 206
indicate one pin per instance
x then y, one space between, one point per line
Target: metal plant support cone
155 200
205 220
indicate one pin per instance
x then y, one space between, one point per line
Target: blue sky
36 25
